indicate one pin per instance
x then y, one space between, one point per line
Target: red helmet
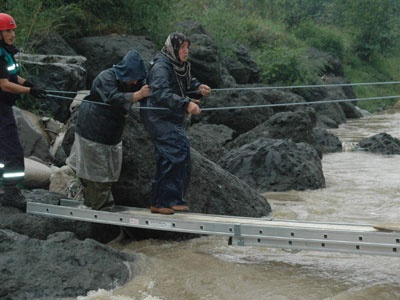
7 22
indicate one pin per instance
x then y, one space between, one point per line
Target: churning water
360 188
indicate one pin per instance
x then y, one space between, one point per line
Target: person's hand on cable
204 90
144 91
38 92
29 84
193 108
141 94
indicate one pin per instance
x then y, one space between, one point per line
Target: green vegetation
364 34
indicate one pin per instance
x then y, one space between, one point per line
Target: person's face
184 52
8 36
132 82
129 86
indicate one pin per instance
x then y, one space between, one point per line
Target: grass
259 26
381 70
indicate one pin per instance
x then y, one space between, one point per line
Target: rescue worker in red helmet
11 85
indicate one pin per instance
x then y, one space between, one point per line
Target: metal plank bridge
241 231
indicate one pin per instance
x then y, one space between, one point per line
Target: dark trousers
11 151
173 172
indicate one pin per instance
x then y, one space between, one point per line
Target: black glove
28 84
38 92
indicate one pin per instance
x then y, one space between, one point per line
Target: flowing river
360 188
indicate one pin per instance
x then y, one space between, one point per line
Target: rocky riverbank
237 155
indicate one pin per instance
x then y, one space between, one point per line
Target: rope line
70 98
102 103
297 103
66 92
245 106
303 86
51 93
270 87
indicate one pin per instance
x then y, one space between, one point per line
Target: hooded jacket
168 98
102 120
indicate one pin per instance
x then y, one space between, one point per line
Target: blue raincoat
166 123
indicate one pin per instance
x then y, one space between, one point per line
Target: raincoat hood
130 68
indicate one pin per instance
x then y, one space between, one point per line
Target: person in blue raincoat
96 154
164 114
12 167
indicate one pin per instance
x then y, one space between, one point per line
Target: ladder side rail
273 242
155 222
323 243
279 236
369 236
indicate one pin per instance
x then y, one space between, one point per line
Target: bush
282 65
77 18
379 70
230 24
322 38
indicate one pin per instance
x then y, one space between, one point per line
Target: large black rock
58 267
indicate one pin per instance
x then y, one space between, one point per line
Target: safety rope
67 92
303 86
70 98
247 106
51 93
99 103
276 87
298 103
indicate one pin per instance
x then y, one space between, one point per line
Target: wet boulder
242 110
102 52
243 68
50 44
297 126
210 139
381 143
276 165
60 266
325 141
56 73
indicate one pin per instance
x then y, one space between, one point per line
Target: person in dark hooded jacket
165 114
96 154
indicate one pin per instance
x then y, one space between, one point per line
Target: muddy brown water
360 188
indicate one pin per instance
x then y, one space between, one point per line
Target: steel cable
245 106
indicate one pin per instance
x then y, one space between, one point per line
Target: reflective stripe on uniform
12 67
1 166
13 175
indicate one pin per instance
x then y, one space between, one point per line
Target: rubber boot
98 195
13 197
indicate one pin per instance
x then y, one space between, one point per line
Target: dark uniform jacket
11 151
8 70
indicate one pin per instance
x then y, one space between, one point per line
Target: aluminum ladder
241 231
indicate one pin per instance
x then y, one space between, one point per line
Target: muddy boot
13 197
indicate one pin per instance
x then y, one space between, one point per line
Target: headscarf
171 50
130 68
